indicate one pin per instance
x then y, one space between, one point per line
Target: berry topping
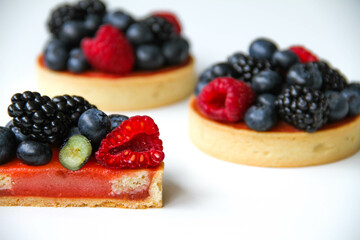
34 153
225 99
72 32
266 81
116 120
284 59
134 144
338 105
261 117
139 33
109 51
95 7
176 51
161 28
18 134
77 62
262 49
119 19
352 95
171 18
332 79
56 55
307 74
247 66
149 57
304 54
8 145
303 107
94 124
75 153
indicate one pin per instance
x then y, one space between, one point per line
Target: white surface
205 197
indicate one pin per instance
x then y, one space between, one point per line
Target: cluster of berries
85 35
270 84
40 123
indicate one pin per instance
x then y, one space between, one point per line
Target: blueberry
56 55
119 19
73 131
92 23
116 120
77 62
75 153
352 95
34 153
55 43
284 59
307 74
199 87
176 51
94 124
18 134
266 99
72 32
7 145
266 81
149 57
339 107
262 49
139 34
260 117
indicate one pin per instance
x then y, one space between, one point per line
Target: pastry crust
154 200
273 149
130 92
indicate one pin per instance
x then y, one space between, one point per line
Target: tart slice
289 110
103 161
114 60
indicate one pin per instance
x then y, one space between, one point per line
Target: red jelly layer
281 126
53 180
96 73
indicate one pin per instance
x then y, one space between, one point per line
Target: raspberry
225 99
133 144
171 18
109 51
304 54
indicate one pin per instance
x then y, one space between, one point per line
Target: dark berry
139 33
307 74
8 145
149 57
284 59
246 66
119 19
116 120
56 56
94 124
304 54
17 132
72 32
215 71
77 62
332 79
176 51
262 49
92 23
303 107
352 95
266 99
261 117
161 28
266 81
94 7
75 153
338 105
34 153
73 131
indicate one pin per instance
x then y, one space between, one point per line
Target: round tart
283 146
138 90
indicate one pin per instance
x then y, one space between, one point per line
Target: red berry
225 99
304 54
171 18
109 51
133 144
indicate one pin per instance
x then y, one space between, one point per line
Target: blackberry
162 29
332 79
62 14
247 66
72 106
38 117
303 107
92 7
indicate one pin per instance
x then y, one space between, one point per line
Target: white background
205 197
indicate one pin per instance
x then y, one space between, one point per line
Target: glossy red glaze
53 180
281 125
95 73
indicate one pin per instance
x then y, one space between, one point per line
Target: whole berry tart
275 108
114 60
64 152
